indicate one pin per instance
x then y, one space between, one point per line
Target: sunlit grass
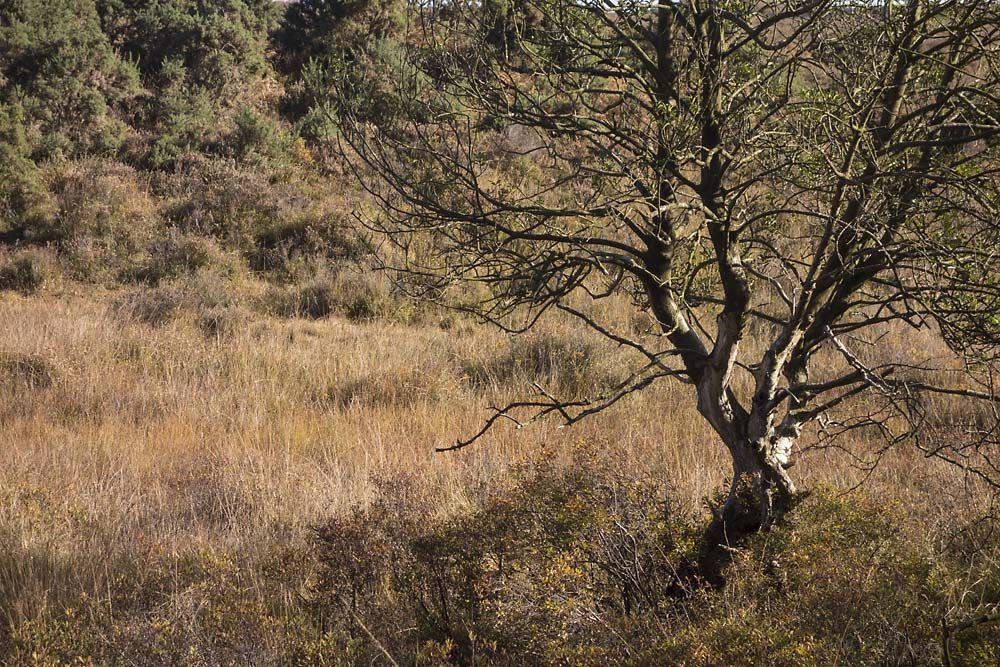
129 449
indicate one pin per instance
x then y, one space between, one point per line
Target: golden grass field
130 449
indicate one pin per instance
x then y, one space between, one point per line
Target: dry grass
129 448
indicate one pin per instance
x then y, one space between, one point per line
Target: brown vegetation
218 423
164 478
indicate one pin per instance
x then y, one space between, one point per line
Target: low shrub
26 371
196 608
221 322
196 294
575 563
217 198
391 387
569 364
28 271
535 573
177 254
355 296
585 565
314 300
155 306
109 223
101 221
288 248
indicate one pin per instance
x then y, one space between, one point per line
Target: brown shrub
102 218
528 576
28 271
580 565
355 296
26 371
291 248
392 387
221 322
196 294
176 254
568 363
217 198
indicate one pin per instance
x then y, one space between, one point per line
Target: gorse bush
21 189
318 30
222 44
142 81
70 83
253 134
144 141
184 120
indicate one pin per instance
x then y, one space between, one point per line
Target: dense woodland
249 283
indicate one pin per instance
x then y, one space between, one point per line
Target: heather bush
581 564
288 249
191 609
195 294
27 270
552 563
176 254
389 386
567 363
154 306
26 371
531 574
225 321
218 199
350 294
101 219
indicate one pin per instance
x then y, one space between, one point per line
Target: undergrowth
577 563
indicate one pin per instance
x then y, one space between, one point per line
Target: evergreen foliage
325 29
71 86
219 43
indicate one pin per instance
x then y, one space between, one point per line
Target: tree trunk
761 491
760 494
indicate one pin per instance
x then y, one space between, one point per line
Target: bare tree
819 171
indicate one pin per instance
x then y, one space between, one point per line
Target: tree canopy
817 173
